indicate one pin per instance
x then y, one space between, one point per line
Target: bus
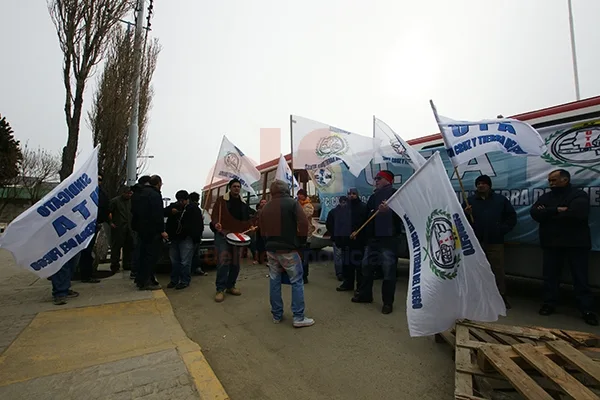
571 132
572 135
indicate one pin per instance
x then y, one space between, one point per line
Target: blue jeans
181 253
377 254
228 267
61 280
291 264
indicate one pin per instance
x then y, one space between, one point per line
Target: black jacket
235 215
186 223
283 224
493 217
386 227
563 229
147 212
135 204
172 224
103 206
342 221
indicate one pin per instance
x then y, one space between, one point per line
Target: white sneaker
276 321
304 322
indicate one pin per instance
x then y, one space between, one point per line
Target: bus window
270 178
310 188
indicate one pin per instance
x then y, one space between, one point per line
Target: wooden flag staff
462 188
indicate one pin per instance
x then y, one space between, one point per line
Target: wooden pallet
503 362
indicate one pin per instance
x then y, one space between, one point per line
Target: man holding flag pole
231 214
383 243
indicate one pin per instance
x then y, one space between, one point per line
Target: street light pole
133 127
574 52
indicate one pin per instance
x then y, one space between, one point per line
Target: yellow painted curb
205 380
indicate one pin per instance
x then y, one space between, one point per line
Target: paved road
352 352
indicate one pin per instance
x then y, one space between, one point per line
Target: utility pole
574 52
133 127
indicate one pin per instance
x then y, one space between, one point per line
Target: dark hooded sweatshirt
342 221
186 223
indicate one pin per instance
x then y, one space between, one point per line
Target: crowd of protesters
367 245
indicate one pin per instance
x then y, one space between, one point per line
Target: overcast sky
233 67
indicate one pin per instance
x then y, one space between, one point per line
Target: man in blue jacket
346 218
492 218
383 242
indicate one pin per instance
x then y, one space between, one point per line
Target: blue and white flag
316 146
466 140
284 173
60 225
394 149
450 277
232 163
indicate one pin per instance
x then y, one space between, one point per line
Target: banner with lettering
466 140
49 233
450 277
574 146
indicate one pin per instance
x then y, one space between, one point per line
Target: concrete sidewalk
111 342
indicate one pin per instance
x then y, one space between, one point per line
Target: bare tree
39 169
83 28
37 175
110 115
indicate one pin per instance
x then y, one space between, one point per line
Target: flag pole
462 187
212 180
373 125
574 52
292 154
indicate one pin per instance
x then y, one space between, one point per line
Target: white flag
450 277
284 173
316 145
60 225
393 149
233 164
466 140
